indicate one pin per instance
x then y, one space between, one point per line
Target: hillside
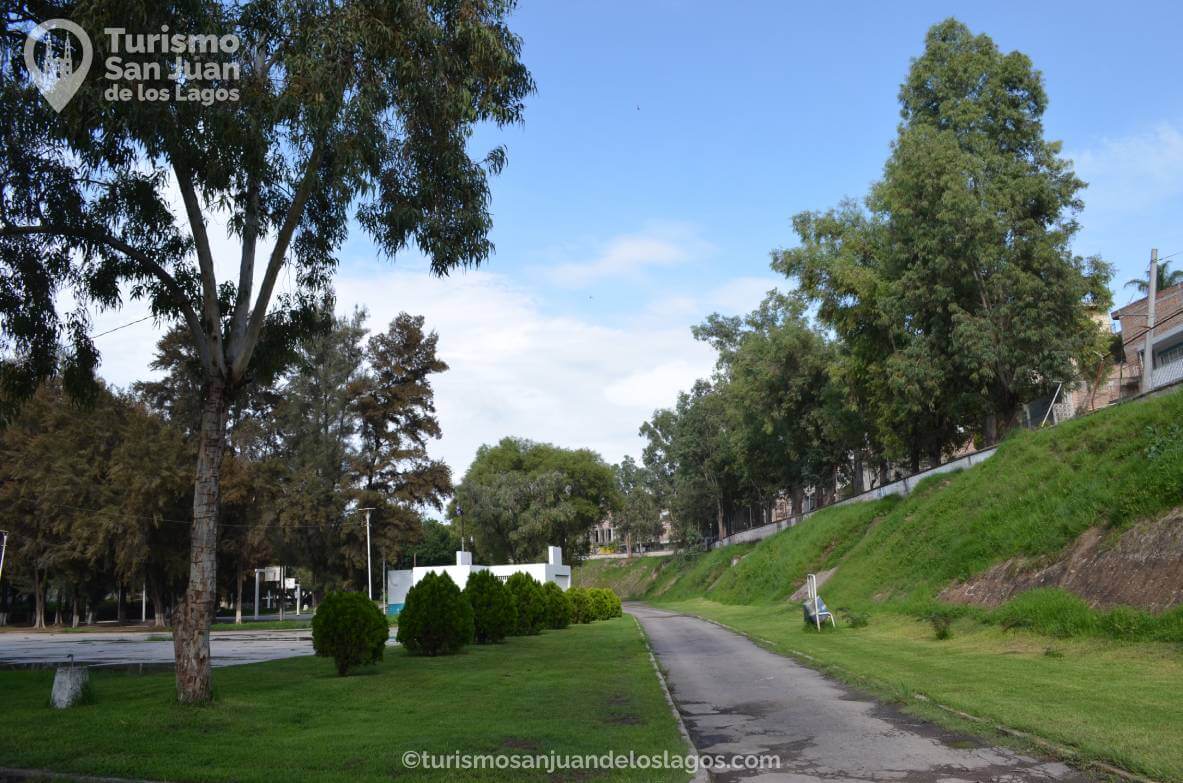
982 536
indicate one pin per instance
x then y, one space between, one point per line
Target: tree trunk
38 599
120 605
883 472
238 596
195 613
860 485
719 518
628 545
74 608
798 496
156 596
990 430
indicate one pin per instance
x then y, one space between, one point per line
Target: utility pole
1148 349
369 574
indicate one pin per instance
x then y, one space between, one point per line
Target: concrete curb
1063 753
700 776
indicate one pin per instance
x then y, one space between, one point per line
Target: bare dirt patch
1141 567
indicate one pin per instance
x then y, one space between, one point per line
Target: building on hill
400 582
1167 351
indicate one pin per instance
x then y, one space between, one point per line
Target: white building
399 583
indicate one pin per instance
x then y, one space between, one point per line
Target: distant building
606 539
399 583
1167 351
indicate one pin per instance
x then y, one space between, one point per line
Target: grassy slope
1114 700
1034 496
586 690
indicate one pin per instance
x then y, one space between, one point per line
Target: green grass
589 689
1112 701
263 625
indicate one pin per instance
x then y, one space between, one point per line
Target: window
1168 355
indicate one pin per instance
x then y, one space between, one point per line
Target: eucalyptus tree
638 515
349 113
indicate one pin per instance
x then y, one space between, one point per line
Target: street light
3 547
369 574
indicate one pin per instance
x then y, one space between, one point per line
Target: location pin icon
60 77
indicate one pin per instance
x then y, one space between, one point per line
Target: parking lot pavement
228 648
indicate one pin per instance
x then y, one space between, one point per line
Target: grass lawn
1113 701
589 689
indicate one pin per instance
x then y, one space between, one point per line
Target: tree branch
246 269
146 263
241 349
205 261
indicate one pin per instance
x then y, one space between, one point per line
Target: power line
124 326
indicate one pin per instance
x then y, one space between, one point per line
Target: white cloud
628 255
516 370
1130 173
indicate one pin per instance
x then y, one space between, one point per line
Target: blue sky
663 156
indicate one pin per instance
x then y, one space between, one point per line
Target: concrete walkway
152 649
737 698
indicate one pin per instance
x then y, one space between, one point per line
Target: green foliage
558 606
941 622
519 497
1061 614
637 518
530 603
581 607
604 603
350 629
853 618
493 608
436 618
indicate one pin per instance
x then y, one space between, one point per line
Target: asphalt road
737 698
152 649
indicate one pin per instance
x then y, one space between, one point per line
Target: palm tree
1166 279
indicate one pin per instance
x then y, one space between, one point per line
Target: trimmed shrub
436 618
602 606
350 629
530 603
581 609
558 607
493 610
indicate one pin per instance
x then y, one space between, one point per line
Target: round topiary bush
350 629
493 611
601 603
558 608
581 609
531 605
436 618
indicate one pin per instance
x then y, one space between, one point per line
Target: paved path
131 648
737 698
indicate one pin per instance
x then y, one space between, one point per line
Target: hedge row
438 618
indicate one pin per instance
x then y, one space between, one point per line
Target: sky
662 158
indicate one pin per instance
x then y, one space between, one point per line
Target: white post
1148 349
297 598
283 588
144 604
258 576
3 548
369 575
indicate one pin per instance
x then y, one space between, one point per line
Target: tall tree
395 407
349 113
973 282
518 497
